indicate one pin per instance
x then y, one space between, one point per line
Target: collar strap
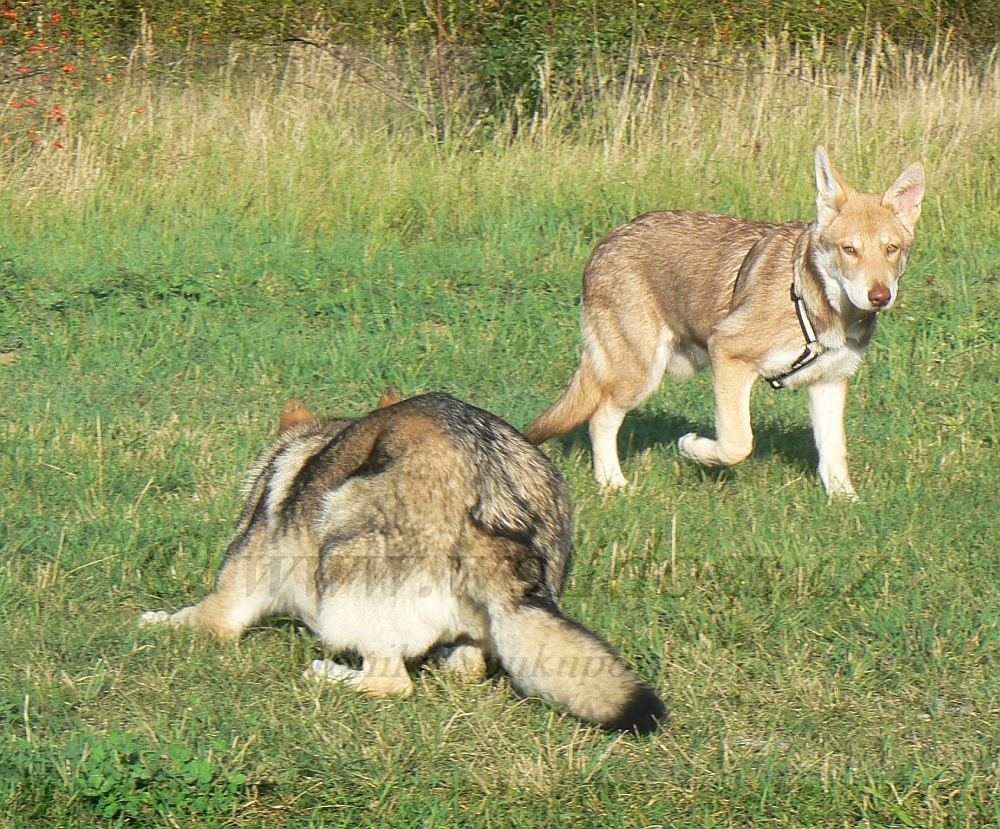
813 346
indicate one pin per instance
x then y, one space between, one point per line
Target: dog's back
678 265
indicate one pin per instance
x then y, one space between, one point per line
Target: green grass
172 276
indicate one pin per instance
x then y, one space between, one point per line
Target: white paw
616 481
838 486
842 493
331 671
154 617
609 476
685 445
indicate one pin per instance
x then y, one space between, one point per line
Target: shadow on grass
642 431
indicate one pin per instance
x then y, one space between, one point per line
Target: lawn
196 250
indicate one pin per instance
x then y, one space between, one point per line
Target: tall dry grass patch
311 126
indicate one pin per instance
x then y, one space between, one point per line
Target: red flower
25 70
30 101
140 110
59 145
15 104
56 17
75 13
69 67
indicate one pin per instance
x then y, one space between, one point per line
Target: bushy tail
575 406
552 657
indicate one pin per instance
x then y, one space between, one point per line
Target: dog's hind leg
636 374
215 615
256 580
467 661
605 424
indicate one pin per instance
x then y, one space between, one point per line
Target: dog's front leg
732 380
827 402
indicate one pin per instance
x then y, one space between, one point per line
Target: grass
170 276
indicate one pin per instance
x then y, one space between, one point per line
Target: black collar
813 346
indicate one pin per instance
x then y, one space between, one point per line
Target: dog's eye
890 249
848 249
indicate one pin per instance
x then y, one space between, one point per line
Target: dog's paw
686 444
838 485
154 617
842 494
331 671
616 480
467 661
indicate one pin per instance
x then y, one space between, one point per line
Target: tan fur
676 291
426 525
390 397
294 413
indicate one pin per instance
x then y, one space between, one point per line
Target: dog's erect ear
293 413
831 188
390 397
905 195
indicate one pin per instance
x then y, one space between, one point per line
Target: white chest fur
835 363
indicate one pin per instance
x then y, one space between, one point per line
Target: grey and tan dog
676 291
428 523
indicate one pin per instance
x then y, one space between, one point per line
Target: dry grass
270 126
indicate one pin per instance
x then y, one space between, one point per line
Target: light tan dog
794 303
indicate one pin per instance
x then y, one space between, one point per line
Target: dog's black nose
879 296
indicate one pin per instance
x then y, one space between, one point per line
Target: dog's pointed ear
293 413
832 189
906 194
390 397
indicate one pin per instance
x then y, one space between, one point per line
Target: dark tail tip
643 714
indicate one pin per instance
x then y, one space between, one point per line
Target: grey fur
427 524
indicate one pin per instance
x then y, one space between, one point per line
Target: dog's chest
836 363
